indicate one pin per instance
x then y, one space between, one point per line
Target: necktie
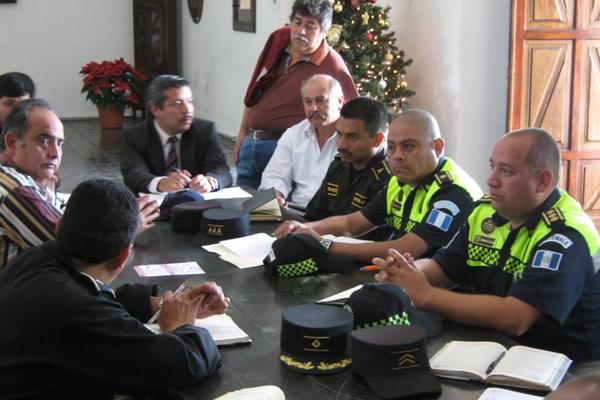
171 160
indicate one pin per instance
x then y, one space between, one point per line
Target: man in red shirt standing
291 55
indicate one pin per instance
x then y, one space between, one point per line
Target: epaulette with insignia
553 216
381 169
443 178
486 198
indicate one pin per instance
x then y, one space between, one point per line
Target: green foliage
360 33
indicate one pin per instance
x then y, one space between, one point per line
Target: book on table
490 362
263 206
222 328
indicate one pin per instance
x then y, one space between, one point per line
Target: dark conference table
257 301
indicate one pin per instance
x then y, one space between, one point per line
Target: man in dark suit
173 150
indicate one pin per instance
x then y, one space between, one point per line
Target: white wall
460 70
52 39
219 61
459 48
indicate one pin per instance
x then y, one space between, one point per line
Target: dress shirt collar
311 132
164 136
99 285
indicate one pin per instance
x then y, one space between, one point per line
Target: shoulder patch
443 178
560 239
546 259
552 216
447 205
439 219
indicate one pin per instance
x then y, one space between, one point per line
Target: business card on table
185 268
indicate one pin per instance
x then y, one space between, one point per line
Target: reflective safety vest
407 207
486 240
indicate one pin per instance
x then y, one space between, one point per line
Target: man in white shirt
305 150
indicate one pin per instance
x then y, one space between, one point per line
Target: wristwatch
326 243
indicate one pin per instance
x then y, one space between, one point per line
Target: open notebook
490 362
222 328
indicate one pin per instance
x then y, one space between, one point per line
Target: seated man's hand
287 228
201 184
174 181
280 198
401 270
178 310
212 299
309 231
148 212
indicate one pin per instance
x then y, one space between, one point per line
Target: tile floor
92 152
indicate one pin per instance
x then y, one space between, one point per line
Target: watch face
326 243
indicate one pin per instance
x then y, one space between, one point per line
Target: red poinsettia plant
113 83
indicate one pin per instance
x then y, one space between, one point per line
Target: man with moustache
359 171
291 55
425 202
29 212
305 150
173 150
528 250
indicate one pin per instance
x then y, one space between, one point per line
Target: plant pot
110 117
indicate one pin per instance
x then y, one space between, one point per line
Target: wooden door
555 84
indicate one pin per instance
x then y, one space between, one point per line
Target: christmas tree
360 33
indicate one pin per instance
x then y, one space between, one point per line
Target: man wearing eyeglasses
173 150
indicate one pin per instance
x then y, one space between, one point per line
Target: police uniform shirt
564 288
346 190
452 198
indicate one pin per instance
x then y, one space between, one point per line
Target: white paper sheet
185 268
243 252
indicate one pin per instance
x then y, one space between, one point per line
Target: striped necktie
171 162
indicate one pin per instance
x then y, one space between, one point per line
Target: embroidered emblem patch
447 205
560 239
546 259
488 225
358 200
332 189
439 219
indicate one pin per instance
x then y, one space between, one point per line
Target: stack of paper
243 252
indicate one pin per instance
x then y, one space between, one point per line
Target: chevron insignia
407 361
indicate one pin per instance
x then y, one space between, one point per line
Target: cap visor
405 384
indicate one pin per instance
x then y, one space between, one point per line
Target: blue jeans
253 158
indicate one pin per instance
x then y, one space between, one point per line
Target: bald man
426 200
528 250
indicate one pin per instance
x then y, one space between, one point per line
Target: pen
369 268
157 313
493 364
